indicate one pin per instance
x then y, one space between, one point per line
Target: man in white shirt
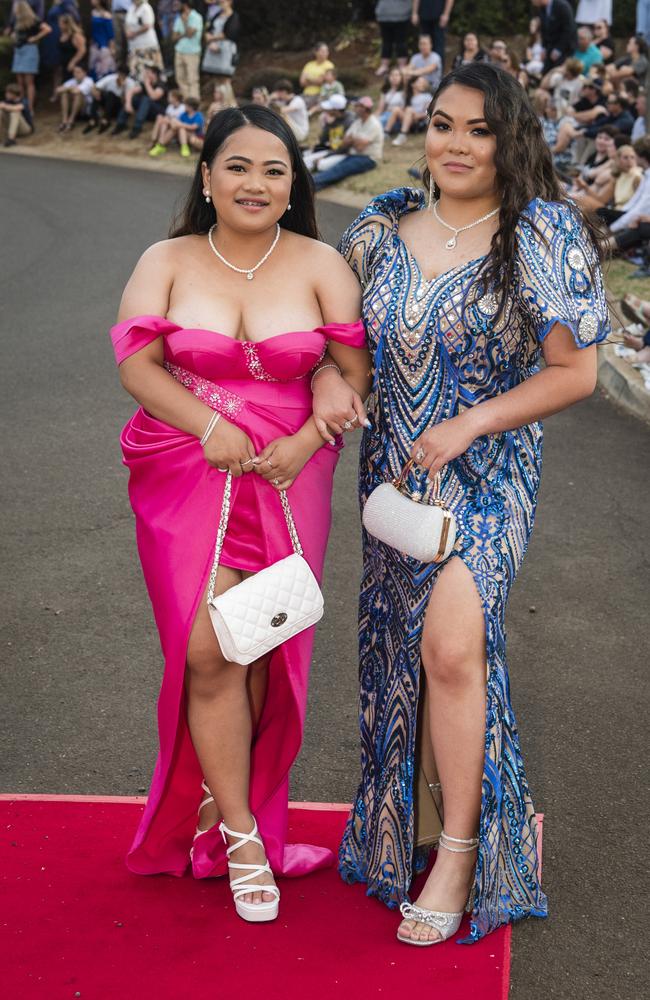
292 107
109 94
362 144
76 97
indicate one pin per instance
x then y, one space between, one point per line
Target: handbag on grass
425 531
266 609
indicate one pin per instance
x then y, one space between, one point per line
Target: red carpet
77 924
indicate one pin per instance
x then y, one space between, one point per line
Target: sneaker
135 132
9 142
103 126
118 129
88 128
185 150
157 150
400 139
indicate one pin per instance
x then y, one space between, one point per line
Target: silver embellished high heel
445 923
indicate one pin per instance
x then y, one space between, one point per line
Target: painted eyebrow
470 121
267 163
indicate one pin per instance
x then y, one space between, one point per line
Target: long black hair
524 167
197 216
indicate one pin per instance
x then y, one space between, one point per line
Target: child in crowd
535 53
337 121
260 95
188 128
76 96
220 101
173 111
392 98
415 116
331 85
15 115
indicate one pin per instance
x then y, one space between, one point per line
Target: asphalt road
81 663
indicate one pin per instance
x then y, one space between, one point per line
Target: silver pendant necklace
451 242
248 271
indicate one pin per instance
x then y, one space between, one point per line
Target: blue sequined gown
432 361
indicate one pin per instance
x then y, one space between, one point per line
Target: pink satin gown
176 497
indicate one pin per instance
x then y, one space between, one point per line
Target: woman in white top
415 116
142 38
392 97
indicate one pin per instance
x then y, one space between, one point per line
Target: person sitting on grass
363 145
392 98
146 101
76 96
220 101
173 111
292 107
630 225
425 63
331 85
108 98
337 122
188 129
15 115
313 72
414 116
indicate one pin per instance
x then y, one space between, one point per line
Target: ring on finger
276 482
347 425
420 454
269 463
247 462
354 419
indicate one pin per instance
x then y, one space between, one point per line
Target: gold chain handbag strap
223 525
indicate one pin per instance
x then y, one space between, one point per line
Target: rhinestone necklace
248 271
451 242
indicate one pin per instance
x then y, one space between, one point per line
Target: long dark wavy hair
524 167
197 216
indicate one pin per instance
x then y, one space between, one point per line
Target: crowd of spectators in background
171 67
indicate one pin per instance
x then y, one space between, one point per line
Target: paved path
81 663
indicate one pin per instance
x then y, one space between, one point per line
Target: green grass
617 278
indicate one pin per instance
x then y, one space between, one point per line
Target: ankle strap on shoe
244 838
448 842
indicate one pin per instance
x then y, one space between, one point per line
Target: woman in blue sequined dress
462 299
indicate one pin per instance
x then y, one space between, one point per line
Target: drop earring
208 199
431 192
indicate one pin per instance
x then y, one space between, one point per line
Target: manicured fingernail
367 423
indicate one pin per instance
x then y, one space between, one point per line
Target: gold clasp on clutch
399 484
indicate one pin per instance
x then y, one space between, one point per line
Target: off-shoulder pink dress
176 497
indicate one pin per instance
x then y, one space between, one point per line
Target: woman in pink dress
232 317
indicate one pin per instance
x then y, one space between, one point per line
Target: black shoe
103 126
88 128
9 142
134 133
118 129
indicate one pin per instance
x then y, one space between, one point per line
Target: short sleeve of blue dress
559 275
362 240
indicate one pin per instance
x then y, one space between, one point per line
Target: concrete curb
623 383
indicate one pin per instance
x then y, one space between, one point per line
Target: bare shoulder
147 290
320 259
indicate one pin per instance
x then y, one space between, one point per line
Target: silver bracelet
322 369
212 423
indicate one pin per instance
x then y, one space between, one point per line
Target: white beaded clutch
425 531
266 609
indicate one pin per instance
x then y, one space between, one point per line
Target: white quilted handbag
267 608
425 531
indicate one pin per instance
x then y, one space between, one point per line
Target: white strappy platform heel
445 923
244 885
204 802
